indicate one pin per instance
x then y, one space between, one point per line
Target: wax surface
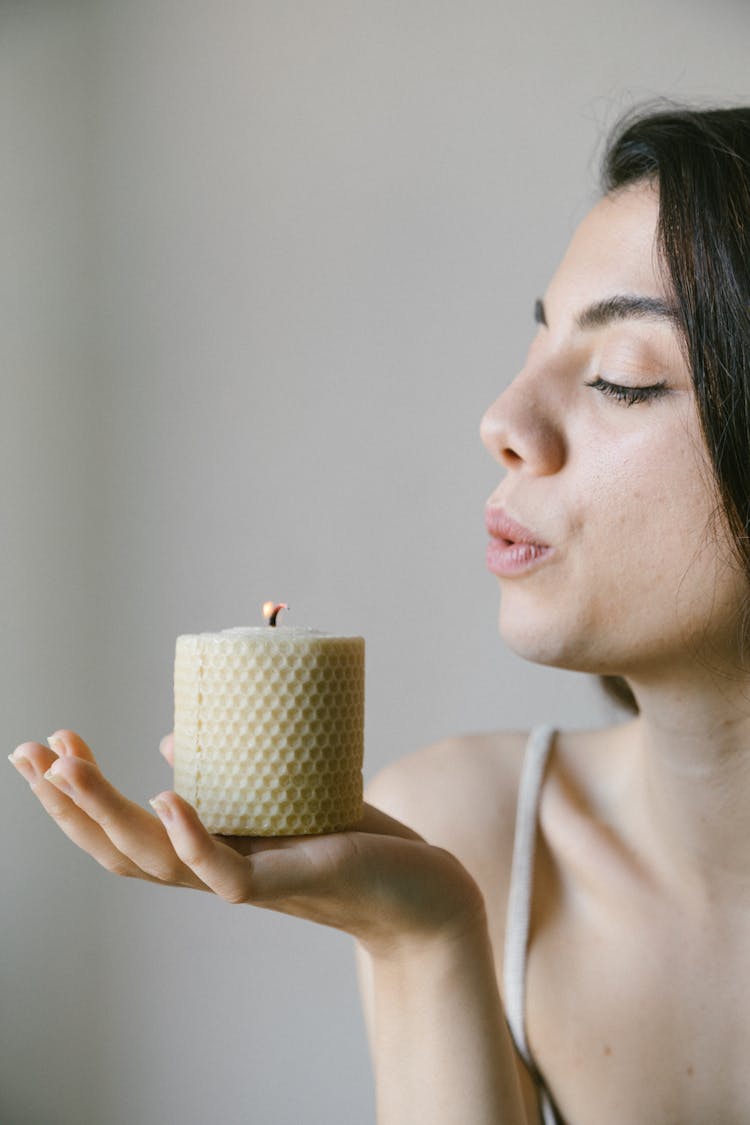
269 730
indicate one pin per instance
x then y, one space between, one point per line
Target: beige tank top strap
518 918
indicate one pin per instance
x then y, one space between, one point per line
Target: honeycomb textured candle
269 730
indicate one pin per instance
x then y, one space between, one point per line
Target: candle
269 729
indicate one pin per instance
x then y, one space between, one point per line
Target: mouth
513 548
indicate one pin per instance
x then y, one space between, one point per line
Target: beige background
263 265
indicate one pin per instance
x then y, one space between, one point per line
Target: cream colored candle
269 729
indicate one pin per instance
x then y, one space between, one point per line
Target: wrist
422 898
463 934
441 1048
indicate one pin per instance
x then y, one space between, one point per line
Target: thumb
166 748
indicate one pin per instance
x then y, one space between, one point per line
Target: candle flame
271 611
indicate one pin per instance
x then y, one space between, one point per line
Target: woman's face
638 576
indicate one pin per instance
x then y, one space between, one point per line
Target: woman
620 535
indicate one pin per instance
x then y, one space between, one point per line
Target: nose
521 431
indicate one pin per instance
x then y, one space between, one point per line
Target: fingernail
57 780
163 744
56 744
160 806
23 765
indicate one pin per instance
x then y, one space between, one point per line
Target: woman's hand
441 1046
379 881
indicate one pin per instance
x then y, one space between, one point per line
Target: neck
692 778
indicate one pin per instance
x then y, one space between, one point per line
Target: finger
66 743
33 760
223 869
373 820
291 874
136 834
166 748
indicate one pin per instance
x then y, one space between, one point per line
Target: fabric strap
519 904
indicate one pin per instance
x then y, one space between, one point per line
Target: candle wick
274 613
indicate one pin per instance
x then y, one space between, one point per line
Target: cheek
645 499
645 531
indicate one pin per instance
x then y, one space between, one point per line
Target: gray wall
263 265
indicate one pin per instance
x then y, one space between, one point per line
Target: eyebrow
621 306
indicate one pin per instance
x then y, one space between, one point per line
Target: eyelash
629 395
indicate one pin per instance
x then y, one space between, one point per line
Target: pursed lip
501 526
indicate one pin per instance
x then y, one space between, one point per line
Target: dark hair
700 161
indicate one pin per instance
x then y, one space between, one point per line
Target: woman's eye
629 395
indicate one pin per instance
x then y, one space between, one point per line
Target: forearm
442 1052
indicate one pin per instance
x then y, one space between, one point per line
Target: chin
539 648
548 642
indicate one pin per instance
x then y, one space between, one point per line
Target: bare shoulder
448 784
460 794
